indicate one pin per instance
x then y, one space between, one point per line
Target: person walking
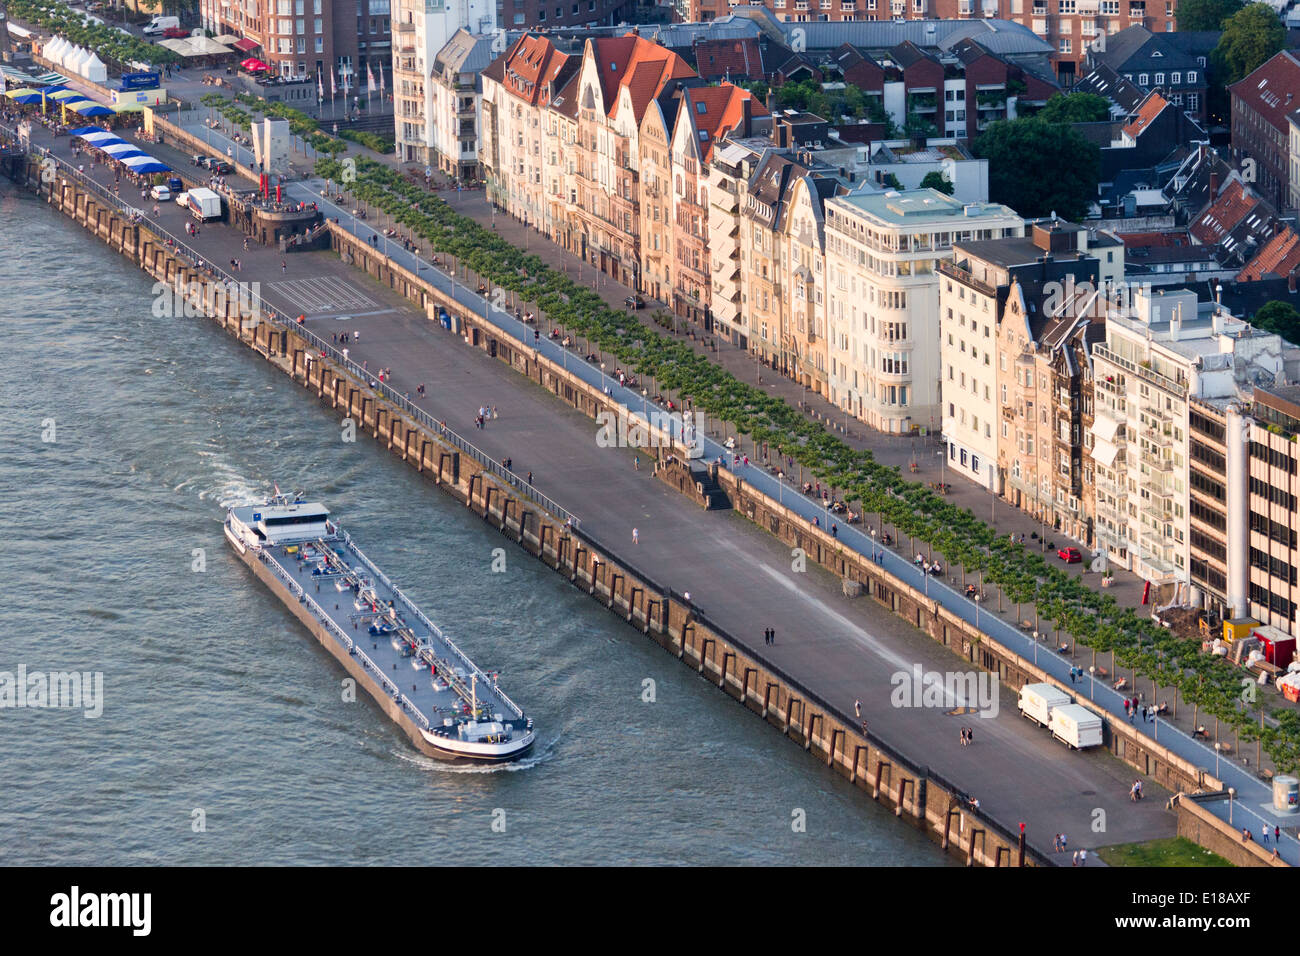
530 478
636 462
636 535
1083 857
857 709
284 267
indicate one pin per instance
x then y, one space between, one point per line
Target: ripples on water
215 699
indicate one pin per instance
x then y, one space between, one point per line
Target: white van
160 23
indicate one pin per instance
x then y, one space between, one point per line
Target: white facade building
882 249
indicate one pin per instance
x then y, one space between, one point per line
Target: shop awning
99 136
90 108
145 164
122 151
1104 428
24 96
245 45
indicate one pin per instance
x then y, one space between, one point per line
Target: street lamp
1218 747
602 377
1092 682
1036 650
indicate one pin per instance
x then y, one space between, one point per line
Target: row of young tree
1017 575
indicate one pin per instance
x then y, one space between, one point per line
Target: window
1143 78
1191 74
1065 44
1160 79
1175 78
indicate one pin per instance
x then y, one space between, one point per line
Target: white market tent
95 71
55 50
77 60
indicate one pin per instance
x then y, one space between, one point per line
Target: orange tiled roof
640 65
1280 256
1150 107
1231 206
716 110
531 65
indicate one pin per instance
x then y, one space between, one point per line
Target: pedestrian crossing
322 295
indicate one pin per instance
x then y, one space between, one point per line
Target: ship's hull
450 749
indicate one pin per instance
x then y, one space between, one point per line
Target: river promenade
845 649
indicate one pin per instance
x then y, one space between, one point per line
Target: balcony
1156 462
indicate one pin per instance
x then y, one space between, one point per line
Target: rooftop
913 206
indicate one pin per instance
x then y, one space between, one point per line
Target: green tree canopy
1075 108
1205 14
936 180
1038 168
1279 317
1251 36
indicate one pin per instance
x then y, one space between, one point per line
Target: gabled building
1279 257
457 86
520 150
1237 223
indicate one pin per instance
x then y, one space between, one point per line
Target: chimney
1218 293
1214 185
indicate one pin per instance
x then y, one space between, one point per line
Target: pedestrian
636 462
970 735
530 478
284 267
356 336
494 413
1265 840
636 535
245 244
1277 836
1075 859
1064 842
773 635
962 737
1083 857
857 708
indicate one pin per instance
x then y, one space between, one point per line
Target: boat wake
540 754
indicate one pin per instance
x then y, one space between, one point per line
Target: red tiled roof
1280 256
729 58
716 110
531 65
1233 204
1273 90
641 65
1150 107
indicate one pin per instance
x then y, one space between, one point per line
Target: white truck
204 204
1038 700
1075 726
159 24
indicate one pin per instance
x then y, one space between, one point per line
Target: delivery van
1038 700
160 24
1075 726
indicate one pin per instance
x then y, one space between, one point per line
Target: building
1293 157
733 166
1163 351
1007 307
1274 490
883 251
311 38
707 115
457 86
420 31
1159 61
1261 131
617 81
520 146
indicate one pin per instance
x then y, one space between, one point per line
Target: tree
1038 168
1251 37
1279 317
1205 14
936 180
1075 108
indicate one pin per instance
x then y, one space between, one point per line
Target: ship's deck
440 694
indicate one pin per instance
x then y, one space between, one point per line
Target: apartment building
734 163
520 148
617 80
457 85
703 116
1163 351
1293 156
420 30
1018 317
883 251
1218 517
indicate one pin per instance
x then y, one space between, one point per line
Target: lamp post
1092 682
1232 794
602 377
1035 648
1218 748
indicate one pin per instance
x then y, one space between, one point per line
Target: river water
225 737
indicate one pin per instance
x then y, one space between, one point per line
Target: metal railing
433 628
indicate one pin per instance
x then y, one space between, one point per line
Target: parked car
175 33
634 302
161 193
199 160
183 199
220 166
1069 555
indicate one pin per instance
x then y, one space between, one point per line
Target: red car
1069 555
175 33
